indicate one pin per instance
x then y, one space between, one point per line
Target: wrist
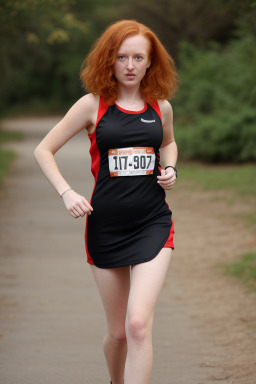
66 190
175 170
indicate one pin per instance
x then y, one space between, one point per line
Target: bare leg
114 285
146 282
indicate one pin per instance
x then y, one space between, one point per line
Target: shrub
215 107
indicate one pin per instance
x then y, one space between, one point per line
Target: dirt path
52 321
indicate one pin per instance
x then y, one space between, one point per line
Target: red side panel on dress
95 162
169 243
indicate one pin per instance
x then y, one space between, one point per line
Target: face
132 61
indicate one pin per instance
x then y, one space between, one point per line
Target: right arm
82 114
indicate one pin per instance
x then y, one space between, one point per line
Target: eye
138 58
121 57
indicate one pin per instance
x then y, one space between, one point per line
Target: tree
195 21
42 45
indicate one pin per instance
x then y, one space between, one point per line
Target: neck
129 96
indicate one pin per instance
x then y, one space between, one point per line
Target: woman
129 229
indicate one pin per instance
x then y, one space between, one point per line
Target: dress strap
103 107
156 108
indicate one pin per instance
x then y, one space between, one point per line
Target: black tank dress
131 221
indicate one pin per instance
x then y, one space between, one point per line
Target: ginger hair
97 71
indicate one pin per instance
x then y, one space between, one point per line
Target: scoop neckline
131 112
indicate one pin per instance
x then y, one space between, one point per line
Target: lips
130 75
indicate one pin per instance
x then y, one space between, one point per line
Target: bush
215 107
226 137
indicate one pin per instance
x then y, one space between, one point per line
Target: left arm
168 150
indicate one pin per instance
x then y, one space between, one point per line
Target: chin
131 83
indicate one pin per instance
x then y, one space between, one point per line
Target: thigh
114 286
146 283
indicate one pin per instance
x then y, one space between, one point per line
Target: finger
167 176
169 181
79 210
85 209
73 214
166 185
87 204
165 182
75 211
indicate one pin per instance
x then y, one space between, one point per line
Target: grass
250 219
10 136
243 269
6 156
238 178
240 182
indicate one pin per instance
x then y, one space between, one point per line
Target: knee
118 338
136 328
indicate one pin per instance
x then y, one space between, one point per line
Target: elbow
41 154
36 153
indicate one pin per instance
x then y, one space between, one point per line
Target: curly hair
97 71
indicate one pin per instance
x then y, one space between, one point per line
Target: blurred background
42 46
43 43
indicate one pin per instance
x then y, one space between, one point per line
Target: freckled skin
132 61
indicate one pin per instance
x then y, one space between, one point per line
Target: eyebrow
137 53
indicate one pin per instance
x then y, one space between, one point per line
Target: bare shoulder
82 114
86 106
88 102
166 110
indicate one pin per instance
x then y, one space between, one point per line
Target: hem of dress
135 262
162 245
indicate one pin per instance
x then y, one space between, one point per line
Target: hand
76 204
167 178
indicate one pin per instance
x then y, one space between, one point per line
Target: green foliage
238 178
244 269
43 43
6 156
215 107
196 21
250 219
10 136
227 136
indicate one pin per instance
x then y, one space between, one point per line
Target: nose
130 63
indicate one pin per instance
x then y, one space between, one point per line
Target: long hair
97 71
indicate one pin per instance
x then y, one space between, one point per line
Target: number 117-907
142 161
131 161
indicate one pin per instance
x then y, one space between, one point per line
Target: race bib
132 161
